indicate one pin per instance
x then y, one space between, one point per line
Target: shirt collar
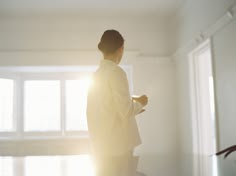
108 62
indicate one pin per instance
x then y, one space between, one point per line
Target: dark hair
110 41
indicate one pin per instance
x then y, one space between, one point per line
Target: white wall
193 18
155 77
158 125
225 81
147 34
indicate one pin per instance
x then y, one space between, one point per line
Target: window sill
44 146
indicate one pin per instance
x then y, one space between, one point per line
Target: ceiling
89 7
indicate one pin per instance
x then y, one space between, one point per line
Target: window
6 104
42 105
76 100
45 101
55 103
6 166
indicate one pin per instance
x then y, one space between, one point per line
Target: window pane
6 104
42 105
76 104
6 166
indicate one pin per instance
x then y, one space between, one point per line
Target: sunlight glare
76 103
87 82
81 165
74 165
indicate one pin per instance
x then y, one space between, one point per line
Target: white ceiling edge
89 8
62 58
77 15
206 34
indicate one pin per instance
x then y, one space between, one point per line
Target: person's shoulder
118 70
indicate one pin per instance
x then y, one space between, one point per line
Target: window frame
39 77
19 78
14 78
20 74
201 128
62 77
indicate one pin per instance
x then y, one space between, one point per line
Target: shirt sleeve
125 106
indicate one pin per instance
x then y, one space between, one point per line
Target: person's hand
142 99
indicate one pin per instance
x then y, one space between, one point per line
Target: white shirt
111 111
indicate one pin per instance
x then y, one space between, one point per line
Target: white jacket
111 111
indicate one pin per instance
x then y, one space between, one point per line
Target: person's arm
124 104
141 99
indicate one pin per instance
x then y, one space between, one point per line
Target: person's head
112 45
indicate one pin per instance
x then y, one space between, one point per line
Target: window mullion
15 104
20 108
63 107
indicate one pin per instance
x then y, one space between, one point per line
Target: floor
47 166
82 165
73 165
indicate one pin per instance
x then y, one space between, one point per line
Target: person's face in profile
120 52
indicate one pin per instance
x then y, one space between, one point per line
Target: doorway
202 110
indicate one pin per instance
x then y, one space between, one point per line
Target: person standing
111 111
